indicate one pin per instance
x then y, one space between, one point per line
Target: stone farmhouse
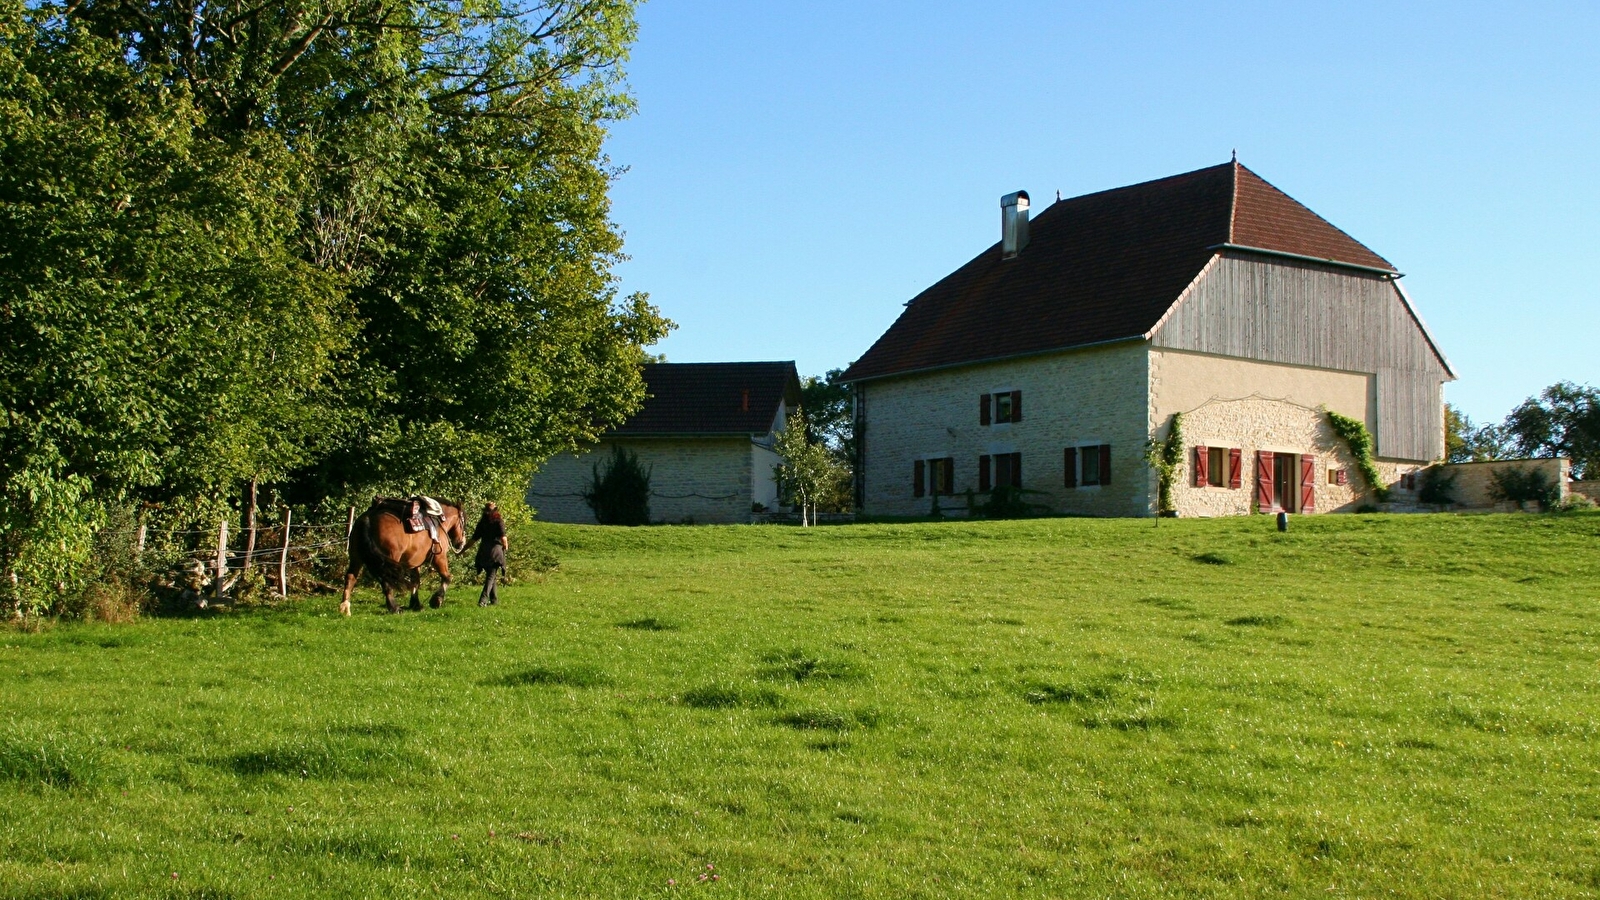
705 430
1049 359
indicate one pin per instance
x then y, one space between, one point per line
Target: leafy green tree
1465 442
159 336
344 246
1564 420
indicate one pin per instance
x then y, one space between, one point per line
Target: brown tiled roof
1098 268
712 398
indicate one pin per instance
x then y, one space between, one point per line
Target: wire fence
211 565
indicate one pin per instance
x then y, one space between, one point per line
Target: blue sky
796 172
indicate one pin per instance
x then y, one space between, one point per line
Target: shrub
619 494
1438 489
1521 484
1576 502
1007 502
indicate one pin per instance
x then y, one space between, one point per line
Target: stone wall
1254 406
1474 481
1590 489
1076 398
699 480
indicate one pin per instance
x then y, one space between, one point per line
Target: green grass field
1366 706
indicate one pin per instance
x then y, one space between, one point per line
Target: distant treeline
1564 420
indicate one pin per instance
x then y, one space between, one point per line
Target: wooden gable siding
1306 314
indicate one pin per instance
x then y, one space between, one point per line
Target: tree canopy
336 246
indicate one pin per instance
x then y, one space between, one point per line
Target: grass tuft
830 720
1067 693
798 665
320 757
1259 621
1215 558
717 696
567 676
49 759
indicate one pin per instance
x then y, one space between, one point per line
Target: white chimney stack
1013 223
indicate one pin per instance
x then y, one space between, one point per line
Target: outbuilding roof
737 398
1103 267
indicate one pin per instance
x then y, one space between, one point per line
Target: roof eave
992 359
1284 254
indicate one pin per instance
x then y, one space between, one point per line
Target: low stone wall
1590 489
1474 481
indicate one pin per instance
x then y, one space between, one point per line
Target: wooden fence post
350 527
138 541
283 555
222 557
249 524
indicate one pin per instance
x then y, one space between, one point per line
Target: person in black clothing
491 557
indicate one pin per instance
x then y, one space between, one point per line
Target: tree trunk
249 523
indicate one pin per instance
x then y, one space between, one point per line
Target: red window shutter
1308 482
1344 476
1016 406
1069 465
1235 467
1016 470
917 478
1105 463
1202 466
983 471
983 409
1264 480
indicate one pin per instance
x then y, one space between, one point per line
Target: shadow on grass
649 624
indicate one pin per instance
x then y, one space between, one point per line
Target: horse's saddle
417 513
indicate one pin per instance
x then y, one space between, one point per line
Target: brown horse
380 543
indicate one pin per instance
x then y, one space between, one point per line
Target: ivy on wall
1355 434
1164 456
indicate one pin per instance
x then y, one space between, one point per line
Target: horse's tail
364 547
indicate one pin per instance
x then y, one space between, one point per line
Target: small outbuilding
705 432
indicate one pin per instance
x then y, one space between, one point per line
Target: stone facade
1252 406
1590 489
1116 395
1086 397
693 480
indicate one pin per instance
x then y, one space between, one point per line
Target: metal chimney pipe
1013 223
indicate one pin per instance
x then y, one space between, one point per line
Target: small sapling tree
807 469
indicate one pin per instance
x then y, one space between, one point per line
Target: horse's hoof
435 602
